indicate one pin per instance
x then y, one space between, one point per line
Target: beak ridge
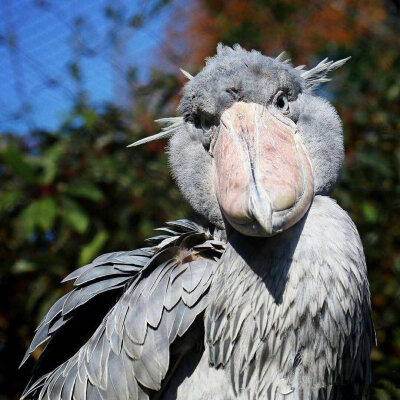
262 175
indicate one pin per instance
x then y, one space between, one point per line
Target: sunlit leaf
50 163
370 212
18 164
83 189
39 214
74 215
9 200
22 266
89 251
90 117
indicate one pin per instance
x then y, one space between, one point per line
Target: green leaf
89 251
22 266
376 161
393 92
40 214
370 212
84 190
90 117
18 164
50 163
9 200
74 216
381 394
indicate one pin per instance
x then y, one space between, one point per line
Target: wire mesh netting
53 52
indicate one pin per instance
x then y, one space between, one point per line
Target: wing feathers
91 281
128 354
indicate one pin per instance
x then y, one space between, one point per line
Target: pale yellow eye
282 103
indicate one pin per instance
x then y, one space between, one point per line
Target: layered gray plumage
266 297
166 289
283 315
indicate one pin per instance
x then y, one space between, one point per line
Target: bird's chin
250 228
275 223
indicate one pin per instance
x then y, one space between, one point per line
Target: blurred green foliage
66 197
69 195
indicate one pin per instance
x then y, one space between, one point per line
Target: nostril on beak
234 92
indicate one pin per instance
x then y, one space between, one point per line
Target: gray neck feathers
191 168
288 312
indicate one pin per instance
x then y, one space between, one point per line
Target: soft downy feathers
312 78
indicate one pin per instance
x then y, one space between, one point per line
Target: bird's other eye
203 121
282 103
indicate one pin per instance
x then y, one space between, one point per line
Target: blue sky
37 44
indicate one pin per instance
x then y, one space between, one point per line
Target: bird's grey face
255 145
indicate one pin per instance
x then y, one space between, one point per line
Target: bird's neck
272 297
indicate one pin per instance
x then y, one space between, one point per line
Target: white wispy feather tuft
319 74
189 76
174 123
281 58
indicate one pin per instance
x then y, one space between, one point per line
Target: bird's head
254 145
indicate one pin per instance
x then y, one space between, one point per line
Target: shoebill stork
264 297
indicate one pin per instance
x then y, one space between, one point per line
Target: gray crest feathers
319 74
189 76
174 123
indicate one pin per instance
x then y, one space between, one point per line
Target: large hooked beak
262 175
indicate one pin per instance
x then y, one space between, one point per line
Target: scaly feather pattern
166 288
290 317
